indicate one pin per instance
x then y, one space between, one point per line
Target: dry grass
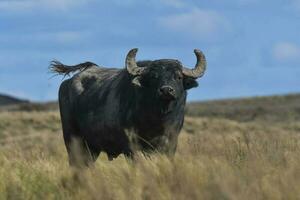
216 159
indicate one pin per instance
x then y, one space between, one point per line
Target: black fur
104 111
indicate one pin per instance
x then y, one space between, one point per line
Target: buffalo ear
136 81
189 83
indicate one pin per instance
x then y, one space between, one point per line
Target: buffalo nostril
166 90
167 93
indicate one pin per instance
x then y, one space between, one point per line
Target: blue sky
252 46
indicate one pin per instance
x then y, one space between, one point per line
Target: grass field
219 156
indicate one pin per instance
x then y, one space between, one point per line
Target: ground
220 156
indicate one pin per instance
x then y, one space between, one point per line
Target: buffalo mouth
167 98
166 106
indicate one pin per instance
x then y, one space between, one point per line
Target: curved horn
200 67
131 65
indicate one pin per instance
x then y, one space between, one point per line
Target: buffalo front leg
79 152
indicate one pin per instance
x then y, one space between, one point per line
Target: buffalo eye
179 77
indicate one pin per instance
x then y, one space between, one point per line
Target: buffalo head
167 79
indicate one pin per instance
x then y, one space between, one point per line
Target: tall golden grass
216 159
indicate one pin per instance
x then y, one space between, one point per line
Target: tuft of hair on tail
65 70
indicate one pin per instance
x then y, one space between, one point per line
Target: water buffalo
102 108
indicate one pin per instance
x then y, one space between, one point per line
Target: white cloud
151 3
295 4
197 23
246 2
123 2
65 37
174 3
25 5
286 52
292 5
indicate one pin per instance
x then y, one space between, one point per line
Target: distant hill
269 108
9 103
9 100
